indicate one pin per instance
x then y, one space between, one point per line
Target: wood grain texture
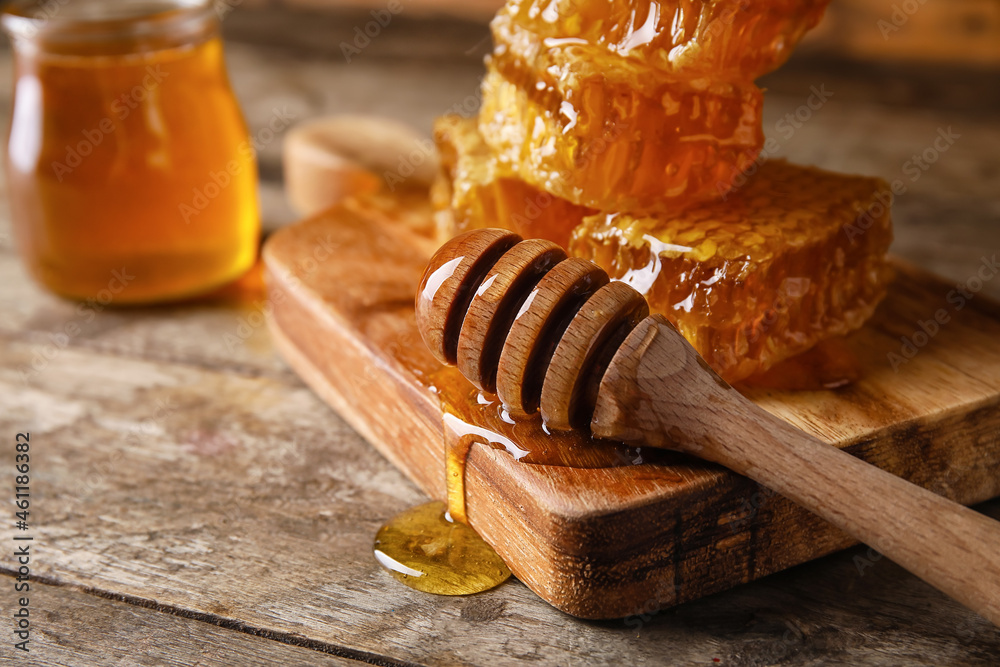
495 304
72 627
569 387
532 337
593 542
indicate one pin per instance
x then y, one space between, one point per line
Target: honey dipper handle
658 391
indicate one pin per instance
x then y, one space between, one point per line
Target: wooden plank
248 500
593 541
226 330
70 627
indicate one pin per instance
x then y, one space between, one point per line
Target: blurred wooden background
952 31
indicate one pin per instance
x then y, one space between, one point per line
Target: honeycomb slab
736 41
791 256
613 133
475 190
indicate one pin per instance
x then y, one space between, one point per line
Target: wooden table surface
194 503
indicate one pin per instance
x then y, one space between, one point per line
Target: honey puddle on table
426 549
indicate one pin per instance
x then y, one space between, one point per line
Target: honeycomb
612 133
791 256
728 40
475 190
629 131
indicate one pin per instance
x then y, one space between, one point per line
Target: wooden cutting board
610 540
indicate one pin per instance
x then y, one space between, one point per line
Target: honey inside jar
131 176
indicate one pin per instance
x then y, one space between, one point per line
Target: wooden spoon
551 333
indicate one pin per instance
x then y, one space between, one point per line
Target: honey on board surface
423 547
625 128
130 172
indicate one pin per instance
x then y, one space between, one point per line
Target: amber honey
727 39
130 172
478 191
426 549
640 107
430 547
762 275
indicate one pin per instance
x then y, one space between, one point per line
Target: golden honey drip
591 109
426 550
472 416
428 539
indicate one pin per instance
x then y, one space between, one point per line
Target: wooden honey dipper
553 334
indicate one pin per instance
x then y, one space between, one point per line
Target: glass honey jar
129 167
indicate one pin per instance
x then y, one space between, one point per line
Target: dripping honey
472 416
131 178
429 547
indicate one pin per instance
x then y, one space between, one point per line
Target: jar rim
93 20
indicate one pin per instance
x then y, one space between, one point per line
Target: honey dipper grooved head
520 319
453 275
